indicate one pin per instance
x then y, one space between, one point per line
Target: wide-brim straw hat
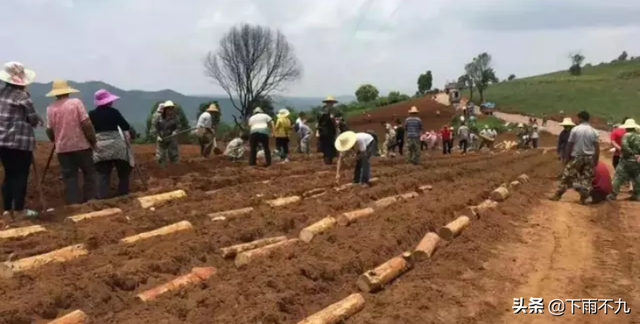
413 110
567 122
283 112
59 88
16 73
103 97
212 108
330 99
345 141
168 104
630 124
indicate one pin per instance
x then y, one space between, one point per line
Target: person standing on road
167 124
464 134
70 128
445 133
206 130
364 145
413 125
281 132
18 118
628 168
111 149
260 125
581 156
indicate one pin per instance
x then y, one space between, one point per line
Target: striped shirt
18 117
413 127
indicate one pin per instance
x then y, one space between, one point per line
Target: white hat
283 112
629 123
168 104
345 141
567 122
15 73
520 125
257 110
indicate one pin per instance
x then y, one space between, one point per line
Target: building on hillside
451 88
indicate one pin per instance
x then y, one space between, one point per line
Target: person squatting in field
166 126
413 126
236 148
581 155
364 146
601 186
205 130
628 169
304 134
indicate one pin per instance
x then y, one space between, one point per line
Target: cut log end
232 251
376 279
196 275
338 312
500 194
426 247
283 201
150 201
514 185
244 258
350 217
75 317
523 178
21 231
425 188
176 227
455 228
307 234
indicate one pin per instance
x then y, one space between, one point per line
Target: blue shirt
413 127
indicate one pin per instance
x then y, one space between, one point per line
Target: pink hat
103 97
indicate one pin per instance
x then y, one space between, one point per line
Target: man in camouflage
628 168
580 157
413 128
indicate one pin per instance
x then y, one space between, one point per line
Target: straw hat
486 126
345 141
59 88
520 125
629 123
329 99
168 104
567 122
15 73
257 110
212 108
413 110
283 113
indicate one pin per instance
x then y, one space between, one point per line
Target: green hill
610 91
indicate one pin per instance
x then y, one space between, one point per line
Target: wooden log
149 201
246 257
308 233
350 217
374 280
408 195
232 251
100 213
230 213
500 194
453 229
283 201
7 269
317 195
337 313
196 275
179 226
385 202
471 212
425 188
313 192
482 208
523 178
514 185
426 247
75 317
21 231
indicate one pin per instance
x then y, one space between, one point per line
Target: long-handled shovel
43 203
135 166
46 167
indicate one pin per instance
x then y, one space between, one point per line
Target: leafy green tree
511 77
425 82
481 72
465 82
367 93
395 97
623 57
576 64
150 133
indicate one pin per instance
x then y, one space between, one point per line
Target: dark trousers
446 146
282 145
328 148
424 145
597 196
464 145
399 144
104 168
534 142
70 163
16 164
616 160
262 140
362 171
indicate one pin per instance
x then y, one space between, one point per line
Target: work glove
159 139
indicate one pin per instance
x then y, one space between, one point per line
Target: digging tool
179 133
46 167
135 165
43 203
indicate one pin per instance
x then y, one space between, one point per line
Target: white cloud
158 44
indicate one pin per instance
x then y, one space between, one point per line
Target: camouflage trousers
627 171
167 150
207 142
305 147
413 146
388 142
577 174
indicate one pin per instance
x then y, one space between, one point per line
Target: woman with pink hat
112 144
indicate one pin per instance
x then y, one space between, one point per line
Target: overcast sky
159 44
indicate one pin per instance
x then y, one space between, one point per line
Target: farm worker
389 139
112 150
535 136
464 135
582 155
616 141
544 120
296 129
413 125
399 141
485 134
628 168
304 134
375 139
432 138
281 133
205 129
424 142
364 144
260 125
155 117
601 183
235 149
563 139
167 125
445 133
327 130
70 128
18 118
473 141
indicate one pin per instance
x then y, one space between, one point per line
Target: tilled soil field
293 281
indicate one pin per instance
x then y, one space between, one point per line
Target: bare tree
251 62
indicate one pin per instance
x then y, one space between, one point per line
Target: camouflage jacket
630 145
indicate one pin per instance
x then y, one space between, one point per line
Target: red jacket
601 179
446 134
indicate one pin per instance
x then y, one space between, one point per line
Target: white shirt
362 141
204 120
298 121
259 123
493 133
